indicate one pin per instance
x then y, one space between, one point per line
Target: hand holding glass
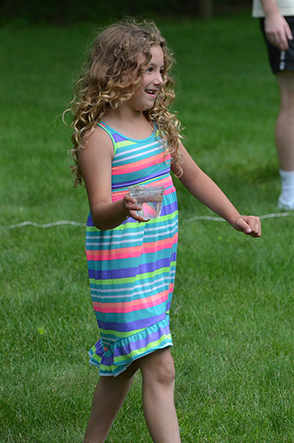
150 200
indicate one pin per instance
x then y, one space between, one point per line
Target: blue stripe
126 272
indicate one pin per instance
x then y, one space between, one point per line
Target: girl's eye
150 69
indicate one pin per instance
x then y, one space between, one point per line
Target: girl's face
146 94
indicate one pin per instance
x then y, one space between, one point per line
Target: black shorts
280 60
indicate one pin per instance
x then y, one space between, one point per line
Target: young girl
124 135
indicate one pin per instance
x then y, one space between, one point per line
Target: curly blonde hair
106 82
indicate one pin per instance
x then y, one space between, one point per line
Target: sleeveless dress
132 267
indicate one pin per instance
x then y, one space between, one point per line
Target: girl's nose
159 80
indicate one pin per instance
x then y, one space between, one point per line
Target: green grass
232 313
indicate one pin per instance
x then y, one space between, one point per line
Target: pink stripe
135 305
169 191
141 164
135 251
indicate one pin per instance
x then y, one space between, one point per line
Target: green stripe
125 143
120 334
161 219
143 350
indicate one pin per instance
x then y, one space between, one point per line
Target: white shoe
286 205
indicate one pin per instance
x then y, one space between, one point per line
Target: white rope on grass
279 214
273 215
45 225
70 222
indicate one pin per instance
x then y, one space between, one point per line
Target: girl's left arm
207 192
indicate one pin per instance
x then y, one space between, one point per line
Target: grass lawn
232 316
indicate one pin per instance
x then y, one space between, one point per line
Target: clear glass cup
150 200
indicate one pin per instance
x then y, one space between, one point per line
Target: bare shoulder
95 157
95 161
96 141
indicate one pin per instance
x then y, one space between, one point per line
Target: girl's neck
129 123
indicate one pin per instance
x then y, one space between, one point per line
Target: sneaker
285 205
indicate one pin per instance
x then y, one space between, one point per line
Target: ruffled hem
120 354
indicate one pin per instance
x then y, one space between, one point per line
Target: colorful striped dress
132 267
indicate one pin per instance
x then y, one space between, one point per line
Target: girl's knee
160 368
165 374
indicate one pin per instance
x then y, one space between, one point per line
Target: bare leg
285 121
158 396
108 398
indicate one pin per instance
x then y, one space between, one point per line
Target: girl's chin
149 106
145 107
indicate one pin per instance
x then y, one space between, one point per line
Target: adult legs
285 137
158 373
108 398
285 121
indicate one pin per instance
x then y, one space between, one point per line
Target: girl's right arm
207 192
95 161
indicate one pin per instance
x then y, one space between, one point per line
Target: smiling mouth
151 92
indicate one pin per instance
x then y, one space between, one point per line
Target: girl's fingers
250 225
